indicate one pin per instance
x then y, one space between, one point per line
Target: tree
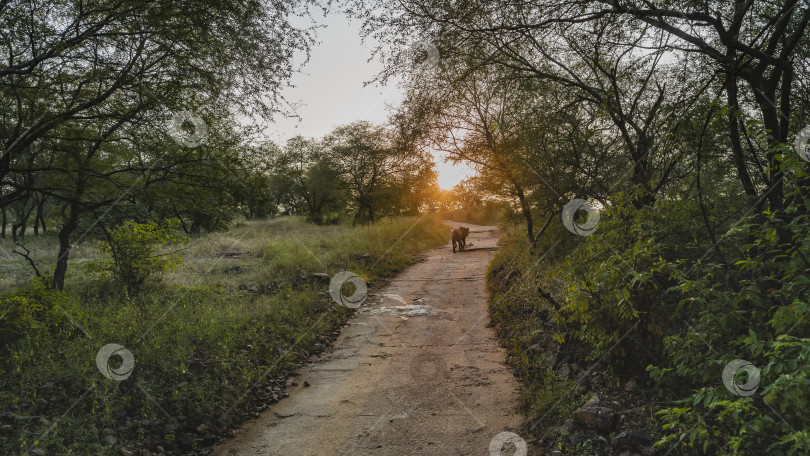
89 88
375 169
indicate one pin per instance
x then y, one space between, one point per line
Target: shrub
134 250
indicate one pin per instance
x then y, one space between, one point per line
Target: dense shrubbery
652 291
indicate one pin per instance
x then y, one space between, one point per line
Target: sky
331 91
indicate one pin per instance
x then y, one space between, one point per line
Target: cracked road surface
414 372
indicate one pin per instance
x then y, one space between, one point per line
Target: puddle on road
411 310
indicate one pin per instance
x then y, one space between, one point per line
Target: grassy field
212 341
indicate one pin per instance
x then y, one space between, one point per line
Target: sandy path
399 382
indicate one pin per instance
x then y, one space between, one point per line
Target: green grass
521 320
201 337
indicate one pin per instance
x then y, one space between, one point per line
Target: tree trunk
39 219
64 248
526 210
24 221
734 135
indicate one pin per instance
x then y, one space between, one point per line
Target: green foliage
754 309
198 349
34 315
134 250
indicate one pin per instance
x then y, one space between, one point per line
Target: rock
321 277
38 451
568 426
125 452
230 254
564 371
551 322
110 440
202 427
632 440
594 417
647 451
630 385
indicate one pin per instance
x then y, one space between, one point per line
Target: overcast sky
331 91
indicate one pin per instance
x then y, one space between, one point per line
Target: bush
134 251
754 309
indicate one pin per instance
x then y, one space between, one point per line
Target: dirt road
415 372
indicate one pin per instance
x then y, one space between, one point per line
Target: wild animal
459 236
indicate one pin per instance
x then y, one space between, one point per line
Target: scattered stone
592 416
110 440
126 452
564 371
230 254
321 277
202 427
630 385
38 451
632 440
568 426
551 322
234 270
